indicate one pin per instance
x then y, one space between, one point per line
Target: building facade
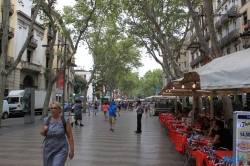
86 75
227 23
30 72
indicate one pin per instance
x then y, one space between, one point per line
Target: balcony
232 10
30 66
10 31
224 18
233 35
32 44
11 9
201 58
218 24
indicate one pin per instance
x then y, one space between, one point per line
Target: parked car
5 110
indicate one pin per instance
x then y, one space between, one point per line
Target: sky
84 60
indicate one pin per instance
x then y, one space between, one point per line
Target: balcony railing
30 66
234 34
218 24
32 44
10 30
197 60
224 18
232 10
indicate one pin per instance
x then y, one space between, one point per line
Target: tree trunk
210 24
85 98
228 111
47 99
198 30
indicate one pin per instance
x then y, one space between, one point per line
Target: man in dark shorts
78 112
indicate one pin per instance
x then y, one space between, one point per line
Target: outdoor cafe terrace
189 144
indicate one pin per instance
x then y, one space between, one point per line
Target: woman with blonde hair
56 146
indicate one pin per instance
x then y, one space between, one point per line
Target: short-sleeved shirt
226 139
78 109
139 109
105 107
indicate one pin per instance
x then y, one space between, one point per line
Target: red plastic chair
199 158
179 144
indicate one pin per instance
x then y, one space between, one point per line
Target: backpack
47 124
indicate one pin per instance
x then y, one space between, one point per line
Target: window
243 2
228 51
192 57
225 7
244 18
185 64
13 100
179 65
219 2
29 56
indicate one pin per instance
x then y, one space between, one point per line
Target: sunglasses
54 108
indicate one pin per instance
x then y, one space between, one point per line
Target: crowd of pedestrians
59 128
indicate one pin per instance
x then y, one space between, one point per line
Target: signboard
186 121
60 80
241 144
157 90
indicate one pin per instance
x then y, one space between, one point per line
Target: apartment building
31 71
86 75
228 25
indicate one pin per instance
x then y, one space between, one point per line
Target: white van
5 110
15 100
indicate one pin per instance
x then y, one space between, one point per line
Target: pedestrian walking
56 144
96 107
112 111
78 112
139 111
105 110
89 107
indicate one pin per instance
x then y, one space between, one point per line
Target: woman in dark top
206 126
223 137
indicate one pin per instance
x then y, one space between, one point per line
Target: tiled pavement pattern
95 144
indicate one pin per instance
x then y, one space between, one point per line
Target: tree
4 72
80 83
227 103
158 25
89 9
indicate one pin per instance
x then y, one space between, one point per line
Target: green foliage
218 107
80 83
237 105
179 106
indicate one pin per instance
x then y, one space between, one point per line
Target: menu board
186 121
242 155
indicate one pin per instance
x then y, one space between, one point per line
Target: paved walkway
95 144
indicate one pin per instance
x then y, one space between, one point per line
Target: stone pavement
94 144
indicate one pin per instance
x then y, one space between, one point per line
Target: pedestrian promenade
94 144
